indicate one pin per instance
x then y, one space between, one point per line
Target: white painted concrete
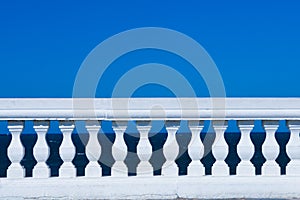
169 185
150 108
207 187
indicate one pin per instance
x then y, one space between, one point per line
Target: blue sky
255 44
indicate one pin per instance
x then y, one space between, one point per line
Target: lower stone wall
206 187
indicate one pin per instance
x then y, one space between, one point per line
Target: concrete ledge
150 109
159 187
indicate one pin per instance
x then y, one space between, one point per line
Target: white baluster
15 151
245 149
144 149
220 149
93 150
67 150
196 149
41 150
171 149
293 149
270 150
119 150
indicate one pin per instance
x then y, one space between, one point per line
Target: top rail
149 108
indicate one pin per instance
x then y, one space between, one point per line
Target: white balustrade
93 150
67 150
220 149
41 150
245 149
119 150
196 149
270 150
143 112
171 149
15 151
144 149
293 149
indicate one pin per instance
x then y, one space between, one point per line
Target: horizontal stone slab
150 109
206 187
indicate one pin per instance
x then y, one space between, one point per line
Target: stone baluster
293 149
41 150
171 149
245 149
15 150
196 149
220 149
119 150
93 150
144 149
270 150
67 150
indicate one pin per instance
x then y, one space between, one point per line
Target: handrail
149 108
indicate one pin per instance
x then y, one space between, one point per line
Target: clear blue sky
255 44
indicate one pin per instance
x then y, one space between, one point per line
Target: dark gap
208 159
106 159
282 159
157 159
80 160
4 160
54 161
132 160
28 162
258 159
183 159
232 159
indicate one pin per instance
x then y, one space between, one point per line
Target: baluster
171 149
15 151
119 150
93 150
144 149
220 149
41 150
67 150
245 149
196 149
270 150
293 149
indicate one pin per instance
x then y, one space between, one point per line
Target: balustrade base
41 170
119 169
15 170
195 169
93 169
206 187
293 168
245 169
67 170
169 169
144 169
220 168
270 168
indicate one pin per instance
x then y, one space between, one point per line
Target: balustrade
15 150
220 149
270 149
170 149
119 150
293 149
41 150
196 149
243 113
245 149
93 150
